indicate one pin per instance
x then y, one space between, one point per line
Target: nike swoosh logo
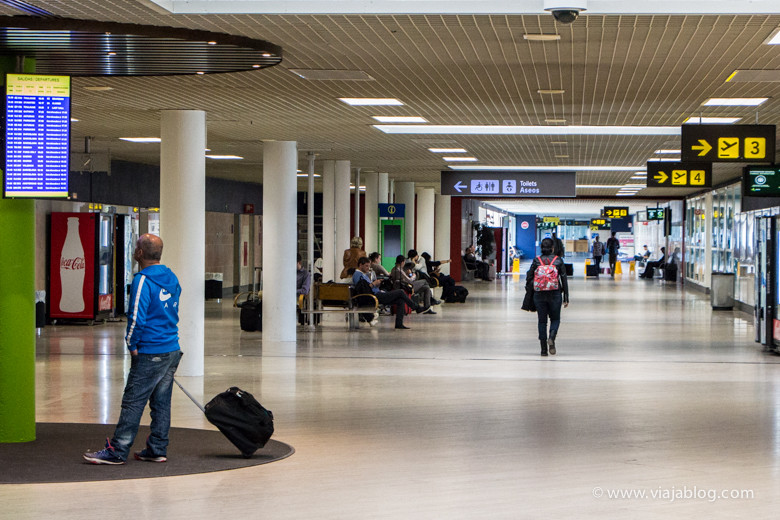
164 295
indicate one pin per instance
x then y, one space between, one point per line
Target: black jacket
529 277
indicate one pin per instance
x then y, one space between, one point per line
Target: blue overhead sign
508 184
392 210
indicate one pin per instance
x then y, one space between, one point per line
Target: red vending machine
81 274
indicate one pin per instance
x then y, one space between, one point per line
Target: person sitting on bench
396 297
651 266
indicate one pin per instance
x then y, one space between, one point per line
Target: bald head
148 250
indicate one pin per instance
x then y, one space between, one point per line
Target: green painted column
17 307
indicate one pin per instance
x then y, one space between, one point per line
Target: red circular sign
524 224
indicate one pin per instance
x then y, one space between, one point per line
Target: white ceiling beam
534 7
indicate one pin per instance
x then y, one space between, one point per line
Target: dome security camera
565 11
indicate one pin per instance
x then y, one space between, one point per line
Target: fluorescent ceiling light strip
667 151
141 139
774 38
695 120
371 101
624 194
225 157
527 130
664 159
460 159
447 150
547 168
400 119
734 102
306 175
542 37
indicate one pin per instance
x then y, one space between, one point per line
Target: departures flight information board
37 135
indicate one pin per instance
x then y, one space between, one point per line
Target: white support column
371 231
442 235
383 188
280 160
425 220
356 215
707 240
343 176
183 224
328 220
404 194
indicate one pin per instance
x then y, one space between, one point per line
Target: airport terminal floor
651 393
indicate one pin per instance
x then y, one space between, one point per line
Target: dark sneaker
551 346
421 309
104 456
147 456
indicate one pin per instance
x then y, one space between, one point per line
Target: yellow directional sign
703 147
728 143
553 220
615 211
678 175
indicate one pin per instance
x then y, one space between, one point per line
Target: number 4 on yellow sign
697 177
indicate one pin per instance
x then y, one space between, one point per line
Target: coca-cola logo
73 263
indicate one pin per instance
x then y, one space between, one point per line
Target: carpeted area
56 455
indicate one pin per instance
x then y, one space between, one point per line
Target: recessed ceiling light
371 101
774 38
112 53
73 120
141 139
547 168
306 175
99 89
667 151
734 102
460 159
555 121
447 150
551 91
332 75
527 130
212 42
400 119
696 120
542 37
200 73
225 157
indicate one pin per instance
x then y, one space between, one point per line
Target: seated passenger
403 277
645 256
396 297
376 265
351 256
482 269
303 278
651 266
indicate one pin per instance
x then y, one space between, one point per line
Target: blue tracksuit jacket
153 317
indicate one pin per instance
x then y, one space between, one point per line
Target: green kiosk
392 236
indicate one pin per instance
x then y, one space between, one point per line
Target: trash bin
214 286
722 291
40 309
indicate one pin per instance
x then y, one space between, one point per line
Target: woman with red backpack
546 289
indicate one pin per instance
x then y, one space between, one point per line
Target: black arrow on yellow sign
704 147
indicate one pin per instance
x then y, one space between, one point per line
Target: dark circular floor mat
56 455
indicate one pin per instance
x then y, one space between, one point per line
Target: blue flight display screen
37 136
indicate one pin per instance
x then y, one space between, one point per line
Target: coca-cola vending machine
79 282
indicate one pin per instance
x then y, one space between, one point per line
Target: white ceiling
466 69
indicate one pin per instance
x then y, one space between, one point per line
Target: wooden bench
338 297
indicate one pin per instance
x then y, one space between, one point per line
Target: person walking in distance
152 337
546 280
613 244
598 253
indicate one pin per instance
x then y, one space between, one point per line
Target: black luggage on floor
457 295
569 269
241 419
252 315
670 273
591 270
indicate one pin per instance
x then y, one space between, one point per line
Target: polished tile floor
458 418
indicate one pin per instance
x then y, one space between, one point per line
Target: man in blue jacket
153 341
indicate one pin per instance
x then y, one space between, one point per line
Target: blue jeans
150 379
548 304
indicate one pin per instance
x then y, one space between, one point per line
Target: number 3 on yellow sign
755 148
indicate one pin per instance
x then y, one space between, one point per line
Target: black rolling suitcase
591 270
251 315
239 417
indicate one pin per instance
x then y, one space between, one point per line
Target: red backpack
546 276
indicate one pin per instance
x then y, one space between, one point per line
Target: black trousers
397 297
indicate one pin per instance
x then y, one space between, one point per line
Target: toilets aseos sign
477 183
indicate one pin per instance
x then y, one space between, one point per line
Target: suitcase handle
202 408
